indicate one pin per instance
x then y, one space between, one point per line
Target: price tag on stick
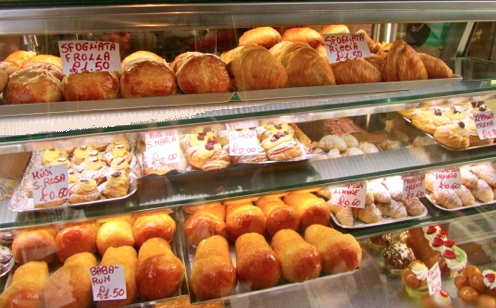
434 279
448 178
108 282
485 125
50 183
345 46
243 142
350 195
162 148
413 186
89 56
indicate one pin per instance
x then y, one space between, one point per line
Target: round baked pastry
142 55
205 73
27 86
8 67
76 238
153 225
34 245
181 58
263 36
397 256
144 78
53 64
90 86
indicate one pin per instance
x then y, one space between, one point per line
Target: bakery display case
179 155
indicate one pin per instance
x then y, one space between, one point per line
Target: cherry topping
461 124
116 174
449 243
442 233
431 230
490 277
278 126
201 136
450 254
443 293
209 146
278 135
437 242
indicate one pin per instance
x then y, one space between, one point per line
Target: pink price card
434 279
243 142
447 178
350 195
484 123
50 183
162 148
413 186
345 46
89 56
108 282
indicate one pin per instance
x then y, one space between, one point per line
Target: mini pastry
379 242
86 190
454 135
468 178
394 184
94 168
379 191
120 164
51 155
414 278
81 153
117 151
116 186
329 142
397 256
118 144
458 112
114 233
429 119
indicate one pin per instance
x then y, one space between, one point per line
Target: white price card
350 195
345 46
447 178
162 148
50 183
108 282
484 123
434 279
242 124
89 56
414 186
243 142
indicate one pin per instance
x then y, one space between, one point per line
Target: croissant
446 198
255 68
436 68
229 55
483 191
330 29
376 61
468 178
303 35
486 172
413 206
356 71
369 214
343 214
395 209
403 63
394 184
380 192
264 36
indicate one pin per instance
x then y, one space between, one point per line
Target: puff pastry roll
486 172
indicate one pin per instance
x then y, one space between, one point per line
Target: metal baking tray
461 208
241 291
343 90
115 104
21 202
385 221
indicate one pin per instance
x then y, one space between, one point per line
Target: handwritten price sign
241 124
108 282
448 178
162 148
350 195
89 56
243 142
484 123
413 186
434 279
49 183
345 46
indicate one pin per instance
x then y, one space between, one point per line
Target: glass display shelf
53 17
178 189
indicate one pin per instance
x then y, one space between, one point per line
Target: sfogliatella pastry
255 68
403 63
28 86
146 78
340 252
155 224
397 256
70 285
263 36
52 64
205 222
90 86
142 55
76 238
257 266
26 286
213 274
303 35
86 190
204 73
356 71
116 186
159 273
300 260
